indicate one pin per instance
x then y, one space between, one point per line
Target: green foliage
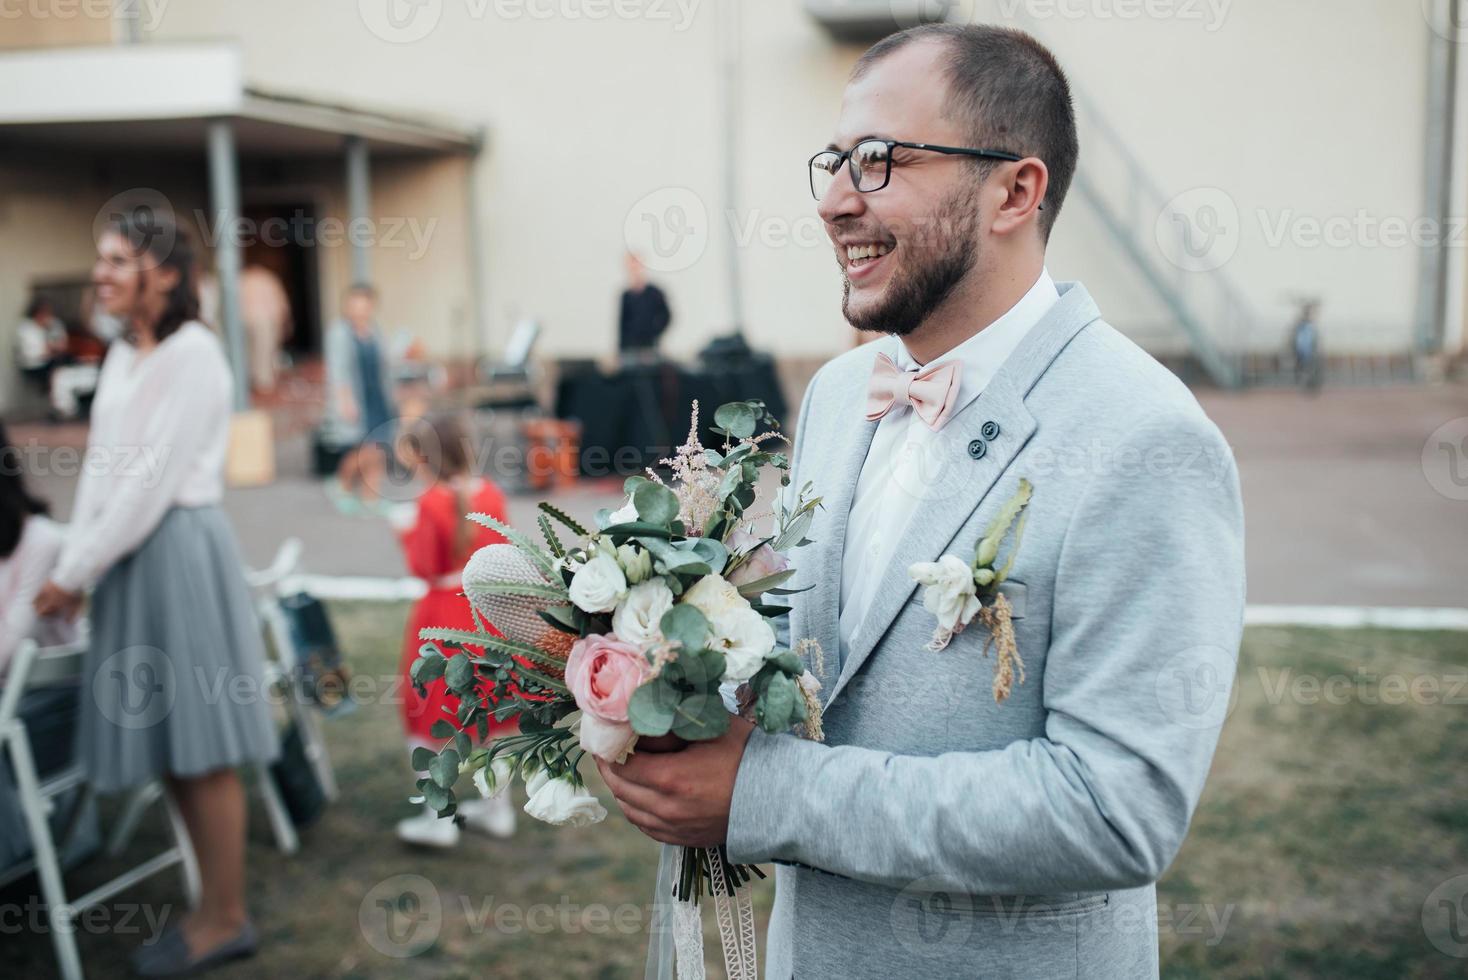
551 541
655 503
571 524
686 626
986 551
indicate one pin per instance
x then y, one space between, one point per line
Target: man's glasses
870 163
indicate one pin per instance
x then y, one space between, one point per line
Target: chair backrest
286 562
522 341
34 666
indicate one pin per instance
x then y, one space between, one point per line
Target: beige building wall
1303 122
1299 128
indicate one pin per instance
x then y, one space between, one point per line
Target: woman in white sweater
176 657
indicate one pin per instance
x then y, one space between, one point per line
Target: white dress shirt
903 452
159 437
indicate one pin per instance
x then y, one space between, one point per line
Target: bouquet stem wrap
675 949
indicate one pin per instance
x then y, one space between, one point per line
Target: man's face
924 224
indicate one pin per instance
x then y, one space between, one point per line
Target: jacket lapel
838 466
974 449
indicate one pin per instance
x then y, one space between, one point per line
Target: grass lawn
1334 810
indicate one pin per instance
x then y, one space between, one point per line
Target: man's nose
841 200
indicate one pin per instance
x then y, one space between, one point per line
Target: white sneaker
428 830
494 817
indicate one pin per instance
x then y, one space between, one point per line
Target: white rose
635 562
637 618
606 740
626 514
949 594
560 802
492 780
745 638
599 584
714 597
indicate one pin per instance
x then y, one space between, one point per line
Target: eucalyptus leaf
425 670
777 704
686 626
652 707
701 717
459 674
422 756
738 418
444 769
655 503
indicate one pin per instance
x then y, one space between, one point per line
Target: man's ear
1024 185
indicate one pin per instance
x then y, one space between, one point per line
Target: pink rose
602 672
763 562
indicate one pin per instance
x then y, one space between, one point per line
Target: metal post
224 191
730 40
1431 273
359 205
479 306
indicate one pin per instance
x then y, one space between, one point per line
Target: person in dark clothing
644 314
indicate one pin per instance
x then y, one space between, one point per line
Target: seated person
40 343
30 543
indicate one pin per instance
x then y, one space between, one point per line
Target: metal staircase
1177 245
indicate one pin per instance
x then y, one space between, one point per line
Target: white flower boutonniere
956 592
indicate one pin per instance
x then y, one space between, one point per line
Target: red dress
429 548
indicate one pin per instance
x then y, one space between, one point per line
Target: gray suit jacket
936 833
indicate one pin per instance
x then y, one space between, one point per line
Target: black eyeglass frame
845 157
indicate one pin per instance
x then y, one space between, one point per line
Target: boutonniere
957 591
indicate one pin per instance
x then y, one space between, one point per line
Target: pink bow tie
931 391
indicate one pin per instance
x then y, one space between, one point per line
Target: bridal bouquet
626 637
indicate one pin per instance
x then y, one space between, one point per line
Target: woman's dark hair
16 503
36 306
159 243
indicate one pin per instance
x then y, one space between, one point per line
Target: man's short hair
362 289
1008 92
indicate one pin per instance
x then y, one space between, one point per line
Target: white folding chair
32 668
270 585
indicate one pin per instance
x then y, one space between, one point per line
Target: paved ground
1341 507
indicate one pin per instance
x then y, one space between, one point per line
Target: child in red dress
437 540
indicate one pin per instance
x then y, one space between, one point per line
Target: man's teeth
861 253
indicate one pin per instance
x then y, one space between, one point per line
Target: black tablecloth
636 416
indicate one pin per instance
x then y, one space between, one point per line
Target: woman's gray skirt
176 661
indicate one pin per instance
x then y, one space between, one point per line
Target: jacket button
990 430
978 448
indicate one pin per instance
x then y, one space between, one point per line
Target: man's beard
953 244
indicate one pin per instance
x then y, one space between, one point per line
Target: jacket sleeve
1146 623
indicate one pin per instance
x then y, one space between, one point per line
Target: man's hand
681 797
53 600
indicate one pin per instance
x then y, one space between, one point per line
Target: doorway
285 243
